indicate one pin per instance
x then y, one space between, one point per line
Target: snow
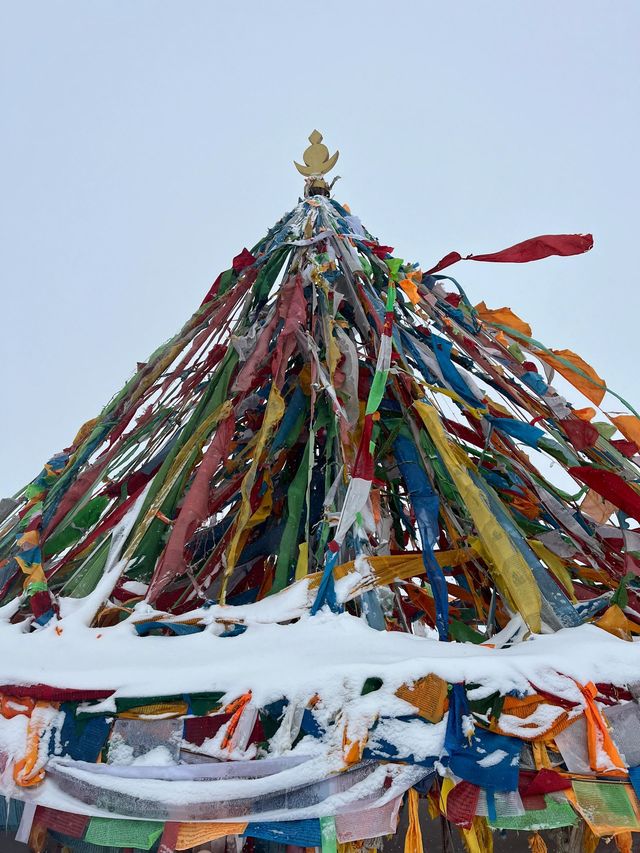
492 758
368 787
328 654
415 737
135 587
120 753
537 723
291 603
13 735
468 726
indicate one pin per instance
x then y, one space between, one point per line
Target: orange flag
503 317
580 374
629 426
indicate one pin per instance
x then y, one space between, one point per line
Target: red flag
378 250
242 261
581 434
447 261
611 487
194 510
627 448
73 825
462 803
543 782
533 249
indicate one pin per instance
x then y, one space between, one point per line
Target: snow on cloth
414 741
483 758
310 790
270 420
322 654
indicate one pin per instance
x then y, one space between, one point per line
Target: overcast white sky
144 143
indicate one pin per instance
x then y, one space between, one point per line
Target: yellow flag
413 838
272 417
303 560
478 839
555 564
511 573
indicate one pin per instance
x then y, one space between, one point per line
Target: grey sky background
143 143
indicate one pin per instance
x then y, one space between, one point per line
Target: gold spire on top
318 163
317 159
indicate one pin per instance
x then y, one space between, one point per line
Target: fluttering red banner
533 249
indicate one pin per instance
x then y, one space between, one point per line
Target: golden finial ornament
317 158
317 163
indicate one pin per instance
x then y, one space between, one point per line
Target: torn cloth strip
425 503
359 486
534 249
194 509
557 608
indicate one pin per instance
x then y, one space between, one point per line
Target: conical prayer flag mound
312 563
